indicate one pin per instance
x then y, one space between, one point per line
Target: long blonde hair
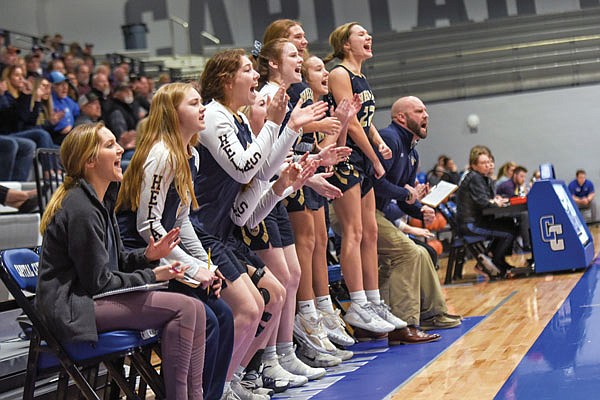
81 145
162 125
337 39
6 73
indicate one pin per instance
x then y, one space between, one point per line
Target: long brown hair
81 145
219 70
162 125
337 39
279 29
271 50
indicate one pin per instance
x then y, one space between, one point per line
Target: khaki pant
408 280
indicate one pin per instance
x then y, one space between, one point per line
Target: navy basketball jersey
301 91
298 91
215 190
361 87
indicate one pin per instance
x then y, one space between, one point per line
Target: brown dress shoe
411 335
363 335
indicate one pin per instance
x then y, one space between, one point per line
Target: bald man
407 271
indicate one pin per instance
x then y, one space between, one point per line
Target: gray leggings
183 323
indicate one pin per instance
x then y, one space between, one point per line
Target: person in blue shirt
515 186
62 102
582 190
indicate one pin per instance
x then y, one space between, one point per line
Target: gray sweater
82 255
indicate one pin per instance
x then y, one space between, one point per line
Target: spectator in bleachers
88 49
436 175
56 64
46 117
582 192
122 119
18 111
40 52
119 77
8 56
101 88
73 93
82 72
104 68
75 49
70 62
163 79
16 154
57 46
142 94
32 65
89 105
451 170
90 61
62 102
23 200
444 170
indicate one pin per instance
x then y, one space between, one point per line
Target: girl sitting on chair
82 255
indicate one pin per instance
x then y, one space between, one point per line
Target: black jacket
475 193
121 118
82 255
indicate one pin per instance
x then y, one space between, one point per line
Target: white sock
325 304
307 309
285 348
227 386
238 374
373 296
358 297
269 354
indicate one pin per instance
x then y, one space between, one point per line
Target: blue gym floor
564 362
376 369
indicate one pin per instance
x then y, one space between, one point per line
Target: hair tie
256 48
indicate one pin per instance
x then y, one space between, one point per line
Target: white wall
559 126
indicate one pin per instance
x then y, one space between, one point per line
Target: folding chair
460 245
49 355
49 174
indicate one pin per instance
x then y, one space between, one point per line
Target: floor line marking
501 303
496 307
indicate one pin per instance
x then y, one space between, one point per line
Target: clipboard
141 288
439 193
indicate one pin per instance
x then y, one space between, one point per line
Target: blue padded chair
49 354
460 244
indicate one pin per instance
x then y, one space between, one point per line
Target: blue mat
377 370
564 362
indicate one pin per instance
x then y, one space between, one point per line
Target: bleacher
485 58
